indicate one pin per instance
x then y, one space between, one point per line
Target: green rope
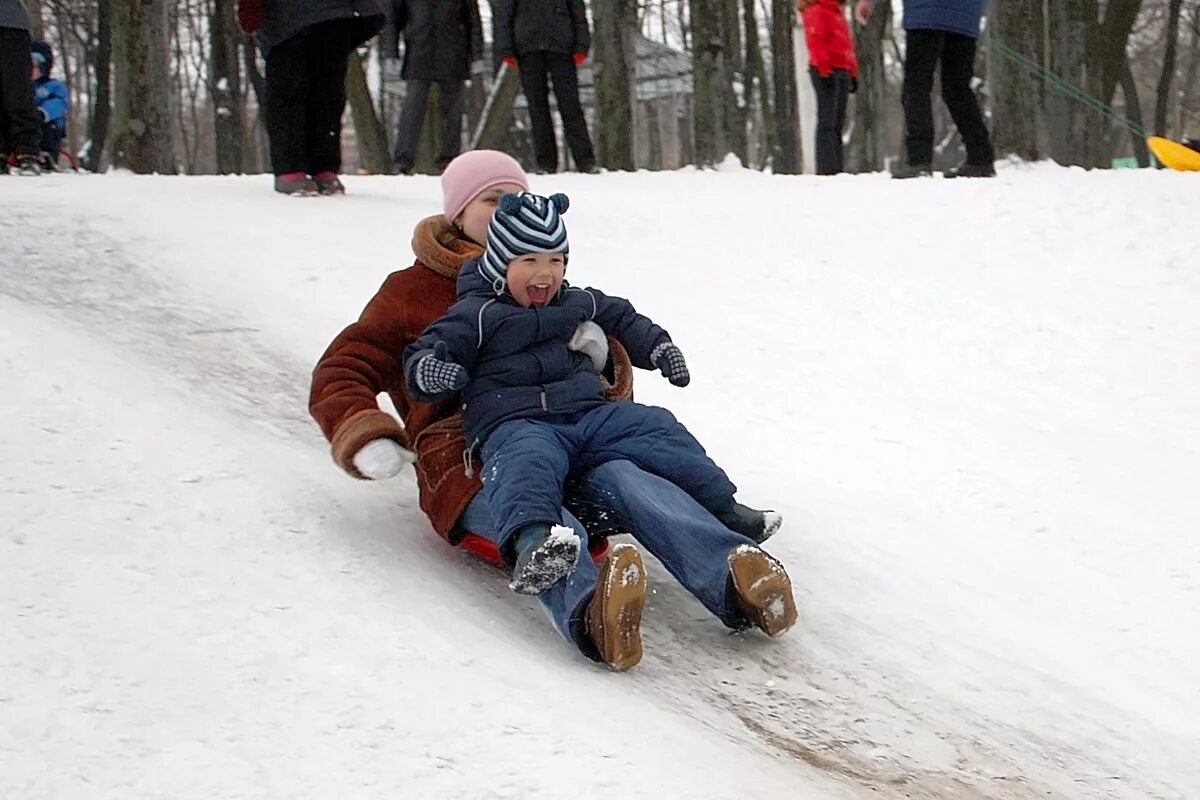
1063 87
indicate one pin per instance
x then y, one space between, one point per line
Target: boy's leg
16 92
844 80
653 439
922 51
412 119
532 69
958 65
828 134
525 464
329 53
287 93
678 531
451 97
567 600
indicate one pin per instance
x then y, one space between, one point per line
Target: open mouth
539 293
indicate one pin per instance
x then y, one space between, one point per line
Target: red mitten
580 58
511 61
251 14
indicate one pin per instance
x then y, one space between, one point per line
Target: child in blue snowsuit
536 406
52 100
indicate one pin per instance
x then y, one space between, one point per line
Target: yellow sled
1174 154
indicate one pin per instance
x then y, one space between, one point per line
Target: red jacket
828 36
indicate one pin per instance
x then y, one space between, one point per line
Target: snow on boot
758 526
548 560
614 616
763 589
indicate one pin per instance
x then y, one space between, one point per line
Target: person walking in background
833 67
18 117
941 32
307 46
442 39
53 101
548 39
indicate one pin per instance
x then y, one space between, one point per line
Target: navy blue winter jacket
955 16
518 358
286 18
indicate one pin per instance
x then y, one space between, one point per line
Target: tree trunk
101 112
756 80
868 139
785 158
1070 122
731 68
256 152
372 138
1016 92
1163 92
614 65
141 81
225 88
493 126
707 111
1133 111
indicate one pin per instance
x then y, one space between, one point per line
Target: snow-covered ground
977 405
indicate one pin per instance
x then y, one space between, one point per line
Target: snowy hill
977 405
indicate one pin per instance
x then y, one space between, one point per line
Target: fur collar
442 247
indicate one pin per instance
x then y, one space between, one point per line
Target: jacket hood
47 53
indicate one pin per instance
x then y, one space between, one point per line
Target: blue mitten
435 375
669 360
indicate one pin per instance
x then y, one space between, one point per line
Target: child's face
475 217
534 279
35 70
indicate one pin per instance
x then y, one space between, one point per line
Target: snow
975 403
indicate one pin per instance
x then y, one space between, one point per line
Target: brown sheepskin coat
367 358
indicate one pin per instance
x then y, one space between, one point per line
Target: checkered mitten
669 360
435 375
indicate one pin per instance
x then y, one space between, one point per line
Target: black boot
905 170
755 525
967 170
549 558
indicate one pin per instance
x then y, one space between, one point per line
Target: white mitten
380 459
591 340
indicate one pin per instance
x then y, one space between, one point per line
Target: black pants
20 123
534 69
956 53
412 120
833 93
52 139
306 95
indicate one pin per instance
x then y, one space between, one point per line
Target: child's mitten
435 375
669 360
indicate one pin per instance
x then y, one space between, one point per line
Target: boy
535 405
52 100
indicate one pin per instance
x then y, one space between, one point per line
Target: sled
487 550
1174 154
63 155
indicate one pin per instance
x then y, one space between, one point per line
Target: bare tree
142 116
369 131
225 87
868 136
785 156
707 105
1015 33
614 64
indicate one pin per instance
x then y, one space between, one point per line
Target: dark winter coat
50 94
286 18
518 359
365 359
13 15
441 38
527 26
827 35
955 16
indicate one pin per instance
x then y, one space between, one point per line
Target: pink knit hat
476 171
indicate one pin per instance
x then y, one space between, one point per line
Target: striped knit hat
523 223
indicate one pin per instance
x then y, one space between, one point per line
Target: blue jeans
674 528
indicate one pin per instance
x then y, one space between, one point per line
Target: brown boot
614 615
764 591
